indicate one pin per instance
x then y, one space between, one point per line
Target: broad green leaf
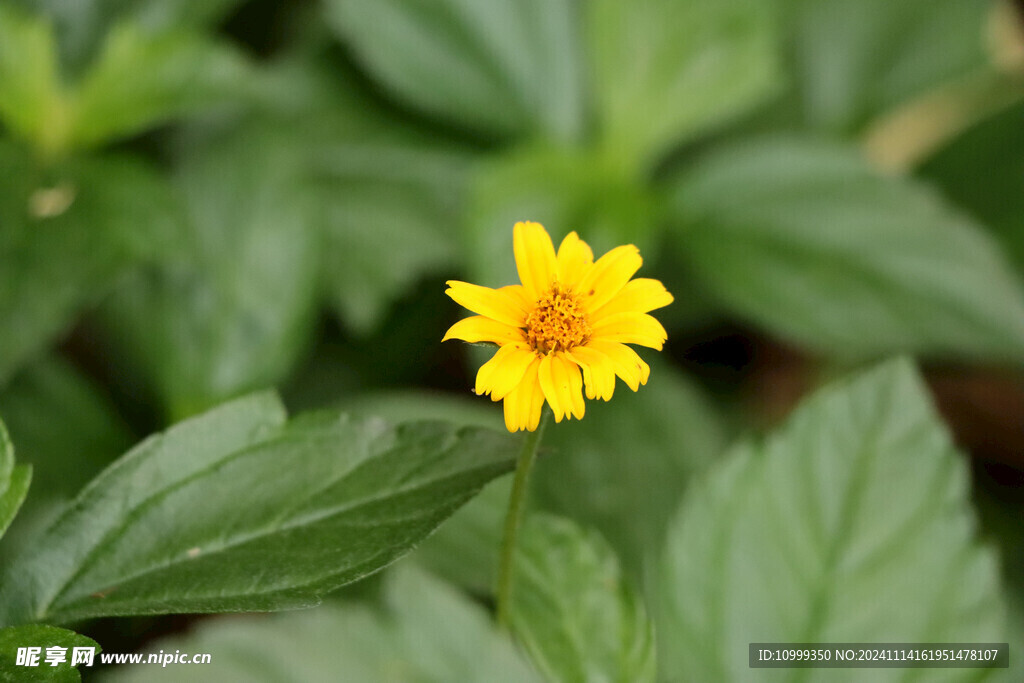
1000 506
425 632
574 612
81 25
138 79
91 434
391 213
14 481
52 392
667 70
465 549
234 510
141 79
43 637
67 235
981 170
564 190
623 468
855 60
28 73
409 405
850 523
806 240
232 307
502 67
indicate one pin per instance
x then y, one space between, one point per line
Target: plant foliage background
202 202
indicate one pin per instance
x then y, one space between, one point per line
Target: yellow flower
569 313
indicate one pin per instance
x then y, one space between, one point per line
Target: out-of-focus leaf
232 307
28 72
855 60
65 429
14 481
407 406
1001 508
849 524
573 611
498 66
141 79
392 212
62 424
983 171
806 240
41 636
623 468
561 189
425 632
67 235
82 25
234 510
668 70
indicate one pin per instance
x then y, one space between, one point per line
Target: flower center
557 322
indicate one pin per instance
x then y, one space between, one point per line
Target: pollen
557 322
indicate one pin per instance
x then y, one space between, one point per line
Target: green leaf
82 25
43 637
623 468
67 235
496 66
232 307
806 240
47 393
572 610
141 79
465 549
424 632
14 481
28 73
999 505
562 189
668 70
855 60
13 494
980 170
52 391
850 523
138 79
391 207
234 510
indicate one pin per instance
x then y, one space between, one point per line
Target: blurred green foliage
204 198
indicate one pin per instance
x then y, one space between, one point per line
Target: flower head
565 327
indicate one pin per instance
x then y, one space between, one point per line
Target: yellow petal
500 305
607 277
507 373
520 296
598 372
636 296
502 373
480 328
549 384
575 387
627 364
535 258
574 258
523 404
630 328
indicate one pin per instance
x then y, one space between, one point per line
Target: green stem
514 519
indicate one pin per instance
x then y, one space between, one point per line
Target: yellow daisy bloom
570 313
